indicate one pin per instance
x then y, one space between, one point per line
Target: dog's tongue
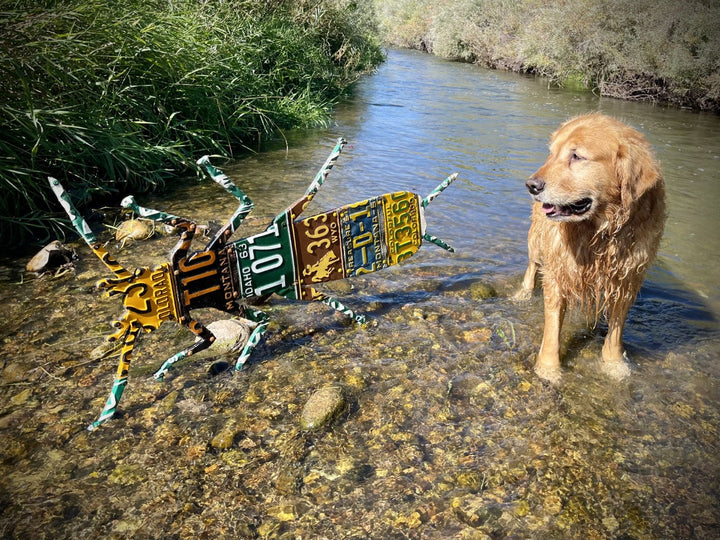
575 209
550 208
555 210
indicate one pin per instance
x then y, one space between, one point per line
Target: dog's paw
616 369
522 295
550 374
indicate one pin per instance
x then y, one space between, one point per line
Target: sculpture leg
148 213
187 226
180 250
340 307
315 296
246 204
296 208
129 337
427 200
227 230
263 320
438 190
435 240
83 229
206 339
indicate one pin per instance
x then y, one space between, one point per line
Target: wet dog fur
597 219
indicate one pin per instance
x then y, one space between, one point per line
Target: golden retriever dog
597 218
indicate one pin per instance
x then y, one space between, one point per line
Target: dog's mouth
559 211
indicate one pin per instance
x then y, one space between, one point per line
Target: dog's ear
636 170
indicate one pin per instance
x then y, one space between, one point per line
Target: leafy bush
122 95
660 50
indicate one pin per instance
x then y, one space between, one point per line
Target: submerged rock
105 349
476 511
481 291
135 229
225 437
13 372
21 397
477 335
324 406
230 336
50 258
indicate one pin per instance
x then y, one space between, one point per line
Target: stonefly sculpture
288 258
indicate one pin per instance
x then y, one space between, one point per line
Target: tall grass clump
117 96
660 50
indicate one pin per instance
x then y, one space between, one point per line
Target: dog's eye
574 156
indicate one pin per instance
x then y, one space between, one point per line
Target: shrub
636 49
122 95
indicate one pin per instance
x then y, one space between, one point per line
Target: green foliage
119 96
661 50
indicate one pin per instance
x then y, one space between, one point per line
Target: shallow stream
448 433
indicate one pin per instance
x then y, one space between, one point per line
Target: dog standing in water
597 219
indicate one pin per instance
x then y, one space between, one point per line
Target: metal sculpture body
288 258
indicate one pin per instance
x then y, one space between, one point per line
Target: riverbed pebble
21 397
50 258
480 290
225 437
476 511
135 229
477 335
324 406
13 372
230 336
553 504
105 349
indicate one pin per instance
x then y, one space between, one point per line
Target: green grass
120 96
659 50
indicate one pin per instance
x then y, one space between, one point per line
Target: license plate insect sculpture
288 258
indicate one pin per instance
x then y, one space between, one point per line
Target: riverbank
660 51
118 98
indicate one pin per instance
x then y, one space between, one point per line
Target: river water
448 433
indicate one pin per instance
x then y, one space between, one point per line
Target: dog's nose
535 185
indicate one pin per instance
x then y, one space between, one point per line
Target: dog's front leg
548 360
535 251
528 283
613 356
